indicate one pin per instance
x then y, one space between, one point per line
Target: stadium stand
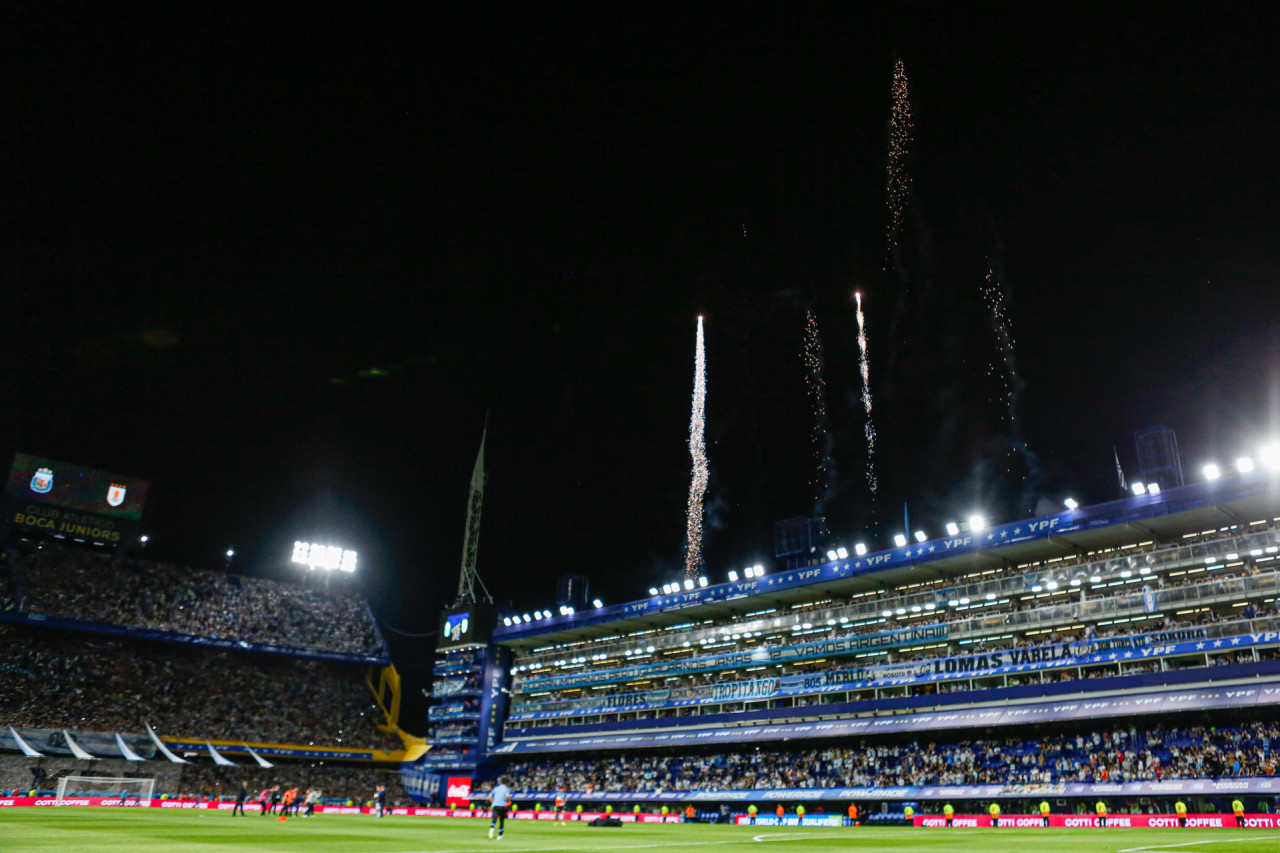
60 580
1056 654
81 681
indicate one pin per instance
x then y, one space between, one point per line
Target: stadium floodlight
144 538
702 582
316 556
920 537
649 650
1145 570
1051 585
1126 574
1153 488
964 600
231 552
527 618
546 614
991 596
930 606
1270 456
598 604
1244 464
564 611
1037 588
653 590
733 576
886 613
955 602
1095 579
900 611
759 570
953 529
860 549
977 524
1139 488
1070 503
842 552
1075 581
1212 471
506 620
899 539
832 556
915 608
688 583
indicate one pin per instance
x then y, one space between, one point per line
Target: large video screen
75 487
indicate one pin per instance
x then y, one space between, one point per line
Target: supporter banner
1129 704
739 660
750 688
1123 511
1114 821
998 662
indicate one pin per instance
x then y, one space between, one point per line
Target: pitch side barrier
403 811
1088 821
1133 509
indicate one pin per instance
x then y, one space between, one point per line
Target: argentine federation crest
42 480
115 494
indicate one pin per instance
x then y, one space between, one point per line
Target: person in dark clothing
276 796
380 798
241 795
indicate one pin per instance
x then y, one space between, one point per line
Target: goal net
113 790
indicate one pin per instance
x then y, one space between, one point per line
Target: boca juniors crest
115 494
42 480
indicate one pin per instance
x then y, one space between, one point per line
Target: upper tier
193 605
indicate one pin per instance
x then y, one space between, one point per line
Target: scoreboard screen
76 488
467 626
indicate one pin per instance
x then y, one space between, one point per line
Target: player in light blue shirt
499 802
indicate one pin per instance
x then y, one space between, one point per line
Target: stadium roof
1166 516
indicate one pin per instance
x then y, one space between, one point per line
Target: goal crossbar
137 789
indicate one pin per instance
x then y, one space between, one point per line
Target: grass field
84 830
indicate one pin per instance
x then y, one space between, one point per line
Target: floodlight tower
469 579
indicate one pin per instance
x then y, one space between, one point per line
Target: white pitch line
761 838
1162 848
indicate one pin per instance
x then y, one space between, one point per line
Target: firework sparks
865 368
693 560
1007 371
815 385
898 179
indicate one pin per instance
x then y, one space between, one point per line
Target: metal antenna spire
469 579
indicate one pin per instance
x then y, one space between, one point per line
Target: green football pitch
82 830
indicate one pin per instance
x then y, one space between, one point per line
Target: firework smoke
870 427
815 386
898 178
693 560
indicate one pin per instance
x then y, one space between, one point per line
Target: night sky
282 266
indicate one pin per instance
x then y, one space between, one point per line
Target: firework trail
870 427
693 560
898 178
815 385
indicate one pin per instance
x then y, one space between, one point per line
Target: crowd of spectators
63 580
338 783
1118 755
85 682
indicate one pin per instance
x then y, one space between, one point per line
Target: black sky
217 223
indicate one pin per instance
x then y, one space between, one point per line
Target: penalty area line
1165 848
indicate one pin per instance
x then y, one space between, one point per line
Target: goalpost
137 790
